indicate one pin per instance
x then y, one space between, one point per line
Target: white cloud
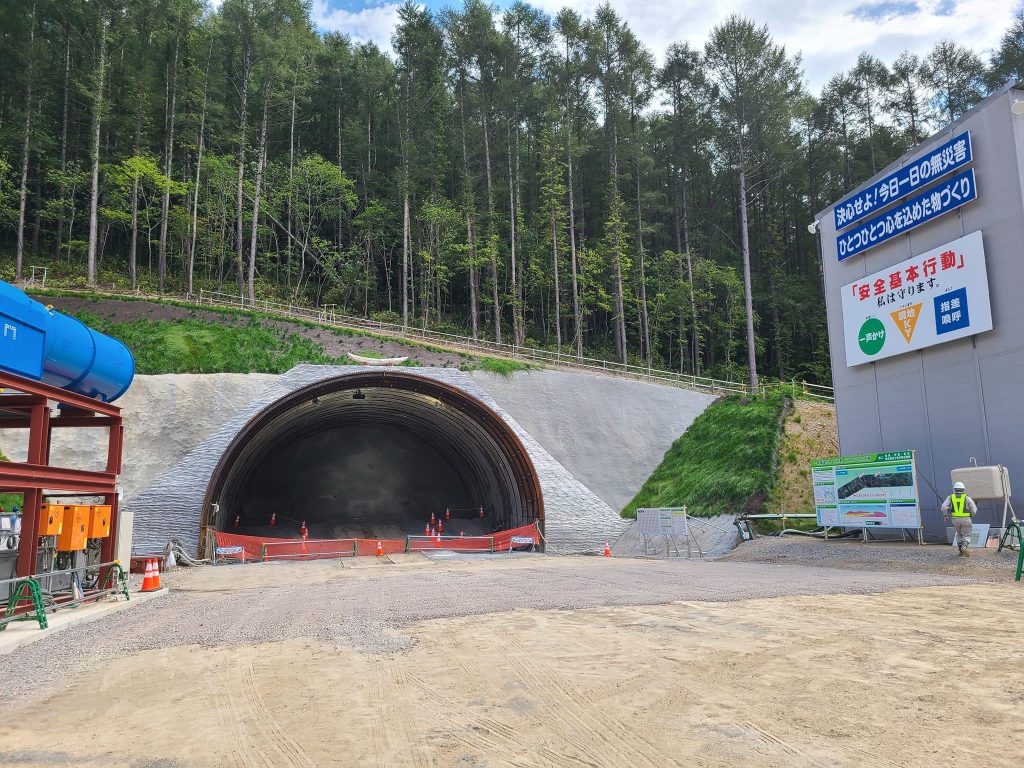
375 23
829 34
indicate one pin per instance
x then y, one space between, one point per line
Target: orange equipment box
99 521
51 518
76 523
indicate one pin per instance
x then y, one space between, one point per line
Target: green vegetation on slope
412 347
192 346
725 462
502 365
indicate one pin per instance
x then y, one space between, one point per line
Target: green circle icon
872 336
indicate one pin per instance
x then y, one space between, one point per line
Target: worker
960 507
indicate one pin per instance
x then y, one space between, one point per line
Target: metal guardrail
329 316
29 600
24 602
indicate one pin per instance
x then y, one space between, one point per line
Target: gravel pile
367 610
939 559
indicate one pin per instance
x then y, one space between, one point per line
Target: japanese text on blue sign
954 154
924 207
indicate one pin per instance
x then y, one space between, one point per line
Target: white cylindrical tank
992 482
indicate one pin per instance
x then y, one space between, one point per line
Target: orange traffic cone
607 549
147 580
440 527
380 549
156 573
238 520
150 582
447 514
273 518
431 518
481 513
426 531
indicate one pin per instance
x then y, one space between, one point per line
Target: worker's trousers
963 528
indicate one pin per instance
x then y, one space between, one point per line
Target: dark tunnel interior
372 456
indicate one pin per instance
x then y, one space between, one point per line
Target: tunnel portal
372 455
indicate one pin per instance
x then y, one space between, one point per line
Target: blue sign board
951 312
954 154
930 204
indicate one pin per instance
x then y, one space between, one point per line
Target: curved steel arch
497 430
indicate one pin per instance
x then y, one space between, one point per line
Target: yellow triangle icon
906 320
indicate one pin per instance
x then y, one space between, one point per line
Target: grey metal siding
964 398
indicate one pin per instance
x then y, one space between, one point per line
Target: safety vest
959 505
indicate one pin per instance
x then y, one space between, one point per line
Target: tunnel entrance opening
373 455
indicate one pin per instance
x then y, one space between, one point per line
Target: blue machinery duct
42 344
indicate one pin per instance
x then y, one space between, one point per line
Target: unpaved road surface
983 564
530 661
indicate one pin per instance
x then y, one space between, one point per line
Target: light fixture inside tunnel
411 448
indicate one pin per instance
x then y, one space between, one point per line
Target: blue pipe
42 344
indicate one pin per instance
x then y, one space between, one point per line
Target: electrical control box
51 519
99 521
73 533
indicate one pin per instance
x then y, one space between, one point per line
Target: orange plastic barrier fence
252 546
368 547
524 535
314 549
257 548
450 543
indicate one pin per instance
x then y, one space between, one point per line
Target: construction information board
661 522
876 490
936 297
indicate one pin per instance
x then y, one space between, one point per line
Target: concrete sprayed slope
575 518
164 418
610 433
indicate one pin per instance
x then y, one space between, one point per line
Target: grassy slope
191 346
727 460
140 335
810 434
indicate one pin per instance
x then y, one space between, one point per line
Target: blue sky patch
886 9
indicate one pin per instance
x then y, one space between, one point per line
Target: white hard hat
958 486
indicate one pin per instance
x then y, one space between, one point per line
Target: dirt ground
907 557
334 344
810 433
904 677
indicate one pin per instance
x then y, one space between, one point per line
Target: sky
829 34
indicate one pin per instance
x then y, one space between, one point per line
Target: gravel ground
939 559
366 608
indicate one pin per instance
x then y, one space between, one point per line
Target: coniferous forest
506 174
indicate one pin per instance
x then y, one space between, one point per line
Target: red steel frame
29 408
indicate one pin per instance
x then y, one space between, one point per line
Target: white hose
176 548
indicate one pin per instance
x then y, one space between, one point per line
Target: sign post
939 296
670 522
869 228
873 491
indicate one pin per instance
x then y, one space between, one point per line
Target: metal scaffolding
41 408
